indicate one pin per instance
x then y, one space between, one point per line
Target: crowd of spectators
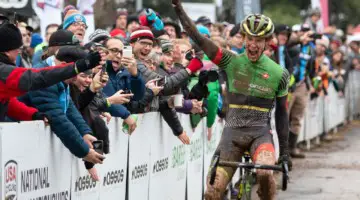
99 80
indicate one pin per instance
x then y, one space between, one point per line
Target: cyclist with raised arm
255 82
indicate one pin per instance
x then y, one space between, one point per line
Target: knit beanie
166 46
142 32
99 35
71 17
118 32
122 11
10 37
36 39
203 30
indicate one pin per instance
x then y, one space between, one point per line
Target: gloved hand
39 116
286 158
195 65
92 60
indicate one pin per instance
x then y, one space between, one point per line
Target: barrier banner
82 185
177 168
210 146
160 182
195 160
30 167
139 156
112 173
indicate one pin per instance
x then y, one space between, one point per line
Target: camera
316 36
189 55
126 91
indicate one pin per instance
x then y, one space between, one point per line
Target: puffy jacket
173 81
122 80
15 82
65 120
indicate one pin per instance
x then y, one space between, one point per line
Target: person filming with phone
123 77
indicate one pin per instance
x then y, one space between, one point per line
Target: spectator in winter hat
167 48
132 23
121 20
36 39
99 36
24 80
75 22
142 40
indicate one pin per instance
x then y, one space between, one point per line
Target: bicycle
247 173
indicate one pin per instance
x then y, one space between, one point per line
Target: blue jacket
65 120
37 57
122 80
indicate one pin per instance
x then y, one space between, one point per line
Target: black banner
21 7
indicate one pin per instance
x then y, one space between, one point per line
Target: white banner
113 171
139 157
177 169
82 185
34 162
160 182
210 147
195 160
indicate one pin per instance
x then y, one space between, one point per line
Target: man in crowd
121 19
24 58
57 40
303 52
75 22
17 81
38 51
65 120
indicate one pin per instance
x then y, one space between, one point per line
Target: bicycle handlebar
250 165
216 162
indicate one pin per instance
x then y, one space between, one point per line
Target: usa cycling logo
10 169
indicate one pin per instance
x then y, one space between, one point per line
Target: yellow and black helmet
257 25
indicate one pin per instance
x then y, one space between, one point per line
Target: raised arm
209 48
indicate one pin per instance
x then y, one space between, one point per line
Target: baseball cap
203 20
63 38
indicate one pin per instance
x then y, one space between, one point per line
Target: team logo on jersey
265 76
10 170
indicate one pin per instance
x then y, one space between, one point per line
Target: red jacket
16 81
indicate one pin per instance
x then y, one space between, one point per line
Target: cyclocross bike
247 173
